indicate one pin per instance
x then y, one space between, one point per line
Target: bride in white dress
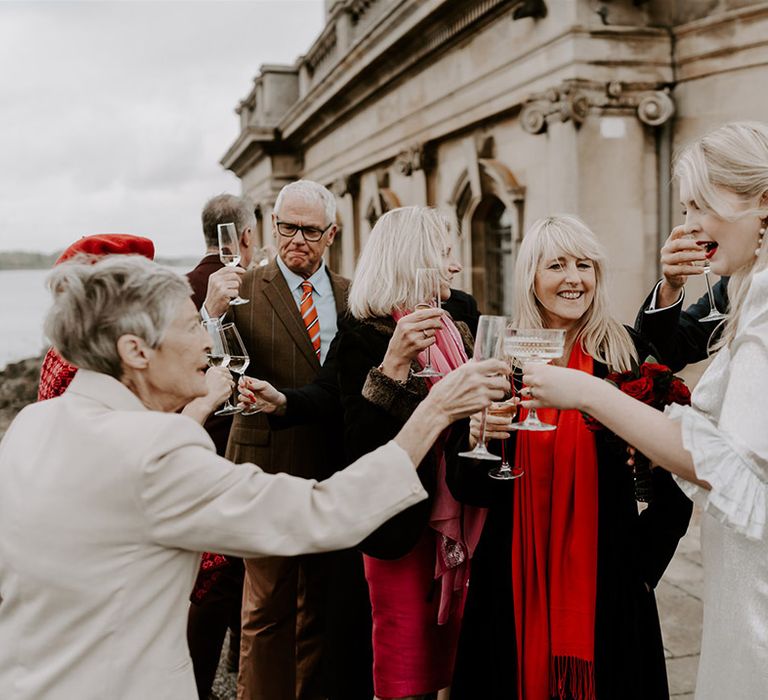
718 447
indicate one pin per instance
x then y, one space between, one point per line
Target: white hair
402 241
309 192
95 304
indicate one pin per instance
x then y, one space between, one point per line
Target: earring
760 235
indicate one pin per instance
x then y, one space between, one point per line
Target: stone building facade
498 112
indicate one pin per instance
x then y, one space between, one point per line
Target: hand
413 333
219 383
223 285
469 389
261 394
558 387
678 257
497 426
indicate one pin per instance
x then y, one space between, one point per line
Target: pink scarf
457 526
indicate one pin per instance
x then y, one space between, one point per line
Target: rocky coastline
18 387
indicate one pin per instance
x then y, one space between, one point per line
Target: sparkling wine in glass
229 252
714 314
504 472
238 363
489 343
218 355
428 295
534 345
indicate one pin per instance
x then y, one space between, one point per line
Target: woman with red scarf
417 564
561 602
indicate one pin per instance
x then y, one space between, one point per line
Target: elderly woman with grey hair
108 495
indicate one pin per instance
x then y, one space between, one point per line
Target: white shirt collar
321 283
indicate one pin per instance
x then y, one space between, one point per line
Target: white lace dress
726 431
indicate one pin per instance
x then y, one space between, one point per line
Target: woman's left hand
558 387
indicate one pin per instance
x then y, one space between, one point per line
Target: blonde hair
601 336
732 157
402 241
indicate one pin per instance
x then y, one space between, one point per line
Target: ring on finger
426 335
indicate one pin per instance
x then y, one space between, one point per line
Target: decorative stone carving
346 184
575 101
564 103
655 108
409 160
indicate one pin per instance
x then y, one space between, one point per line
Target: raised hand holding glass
229 252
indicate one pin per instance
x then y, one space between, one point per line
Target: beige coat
103 508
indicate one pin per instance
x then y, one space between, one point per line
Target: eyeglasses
311 233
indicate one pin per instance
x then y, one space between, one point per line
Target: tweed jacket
104 507
281 353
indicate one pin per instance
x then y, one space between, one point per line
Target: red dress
412 653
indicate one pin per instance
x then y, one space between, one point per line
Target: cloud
114 115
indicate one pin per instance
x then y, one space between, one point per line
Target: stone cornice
247 148
713 45
391 48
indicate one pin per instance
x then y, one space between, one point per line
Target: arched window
490 223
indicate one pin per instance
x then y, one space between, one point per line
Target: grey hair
224 209
309 192
95 304
733 157
402 241
601 336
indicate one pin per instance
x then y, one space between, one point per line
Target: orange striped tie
309 314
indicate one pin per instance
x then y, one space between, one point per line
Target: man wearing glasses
287 328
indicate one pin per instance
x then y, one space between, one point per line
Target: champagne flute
428 295
538 345
238 363
488 345
218 356
504 472
714 314
229 253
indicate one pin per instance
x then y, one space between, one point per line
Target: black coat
320 400
375 409
633 550
678 335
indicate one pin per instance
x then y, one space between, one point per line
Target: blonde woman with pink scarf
416 565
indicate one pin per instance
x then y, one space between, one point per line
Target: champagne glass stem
710 294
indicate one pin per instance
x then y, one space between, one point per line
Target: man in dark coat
219 590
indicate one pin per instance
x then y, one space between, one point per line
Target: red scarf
457 527
554 555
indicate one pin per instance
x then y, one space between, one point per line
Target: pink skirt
412 654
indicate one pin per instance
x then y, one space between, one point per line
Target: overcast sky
114 114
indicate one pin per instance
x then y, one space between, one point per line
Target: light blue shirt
322 295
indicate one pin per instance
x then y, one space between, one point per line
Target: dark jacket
375 409
320 400
633 550
678 335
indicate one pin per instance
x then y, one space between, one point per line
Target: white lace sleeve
732 453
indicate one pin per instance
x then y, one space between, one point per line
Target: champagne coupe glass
428 295
238 363
504 472
714 314
218 355
229 253
534 345
489 343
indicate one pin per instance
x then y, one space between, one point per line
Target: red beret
110 244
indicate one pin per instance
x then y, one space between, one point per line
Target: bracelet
401 382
